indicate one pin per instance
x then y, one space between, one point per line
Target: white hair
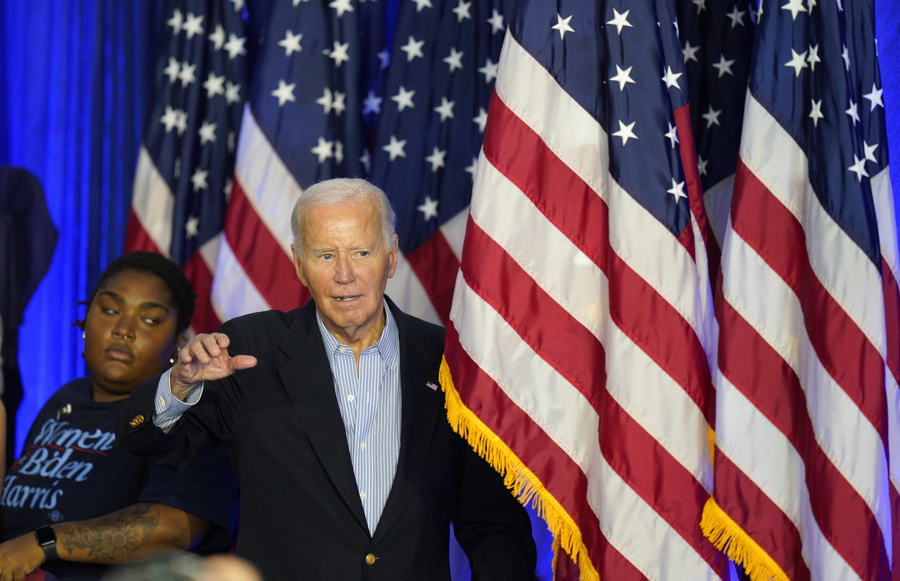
335 191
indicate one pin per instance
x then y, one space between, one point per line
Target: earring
84 334
172 359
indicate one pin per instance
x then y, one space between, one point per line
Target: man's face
346 266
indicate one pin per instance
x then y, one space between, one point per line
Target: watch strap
46 540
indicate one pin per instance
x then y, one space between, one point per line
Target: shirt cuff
169 408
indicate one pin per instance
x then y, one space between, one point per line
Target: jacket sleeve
135 430
492 527
211 421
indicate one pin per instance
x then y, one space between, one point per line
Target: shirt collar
388 345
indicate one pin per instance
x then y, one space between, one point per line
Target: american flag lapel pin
432 385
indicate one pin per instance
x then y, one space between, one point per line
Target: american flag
184 171
324 85
304 122
716 40
807 460
577 357
433 115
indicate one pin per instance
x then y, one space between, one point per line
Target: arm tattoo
111 538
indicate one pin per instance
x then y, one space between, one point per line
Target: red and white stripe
890 267
254 269
423 284
579 335
152 207
807 393
150 228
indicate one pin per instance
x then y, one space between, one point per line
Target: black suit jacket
301 516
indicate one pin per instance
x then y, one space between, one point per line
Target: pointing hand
205 358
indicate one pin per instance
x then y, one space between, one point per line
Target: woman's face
129 333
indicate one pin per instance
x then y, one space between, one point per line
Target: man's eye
363 253
151 321
327 256
108 310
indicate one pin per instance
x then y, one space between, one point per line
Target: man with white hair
334 420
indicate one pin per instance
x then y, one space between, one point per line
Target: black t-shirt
72 468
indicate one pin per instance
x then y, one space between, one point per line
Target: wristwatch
46 540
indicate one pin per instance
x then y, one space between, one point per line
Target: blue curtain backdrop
75 84
887 29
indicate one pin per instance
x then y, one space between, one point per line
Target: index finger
204 348
215 343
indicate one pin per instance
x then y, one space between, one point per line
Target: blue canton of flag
186 162
716 40
314 71
644 153
837 113
433 114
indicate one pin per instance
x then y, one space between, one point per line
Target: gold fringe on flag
517 477
731 539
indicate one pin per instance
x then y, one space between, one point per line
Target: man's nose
343 269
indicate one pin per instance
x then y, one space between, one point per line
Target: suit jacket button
370 559
136 421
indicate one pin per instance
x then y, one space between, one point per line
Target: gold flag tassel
517 477
731 539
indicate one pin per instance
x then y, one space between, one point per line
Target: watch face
46 539
45 536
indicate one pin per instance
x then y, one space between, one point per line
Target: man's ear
298 266
392 256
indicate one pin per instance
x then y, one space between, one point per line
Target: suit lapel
422 409
309 383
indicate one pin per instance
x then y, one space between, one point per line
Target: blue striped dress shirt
370 403
370 406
